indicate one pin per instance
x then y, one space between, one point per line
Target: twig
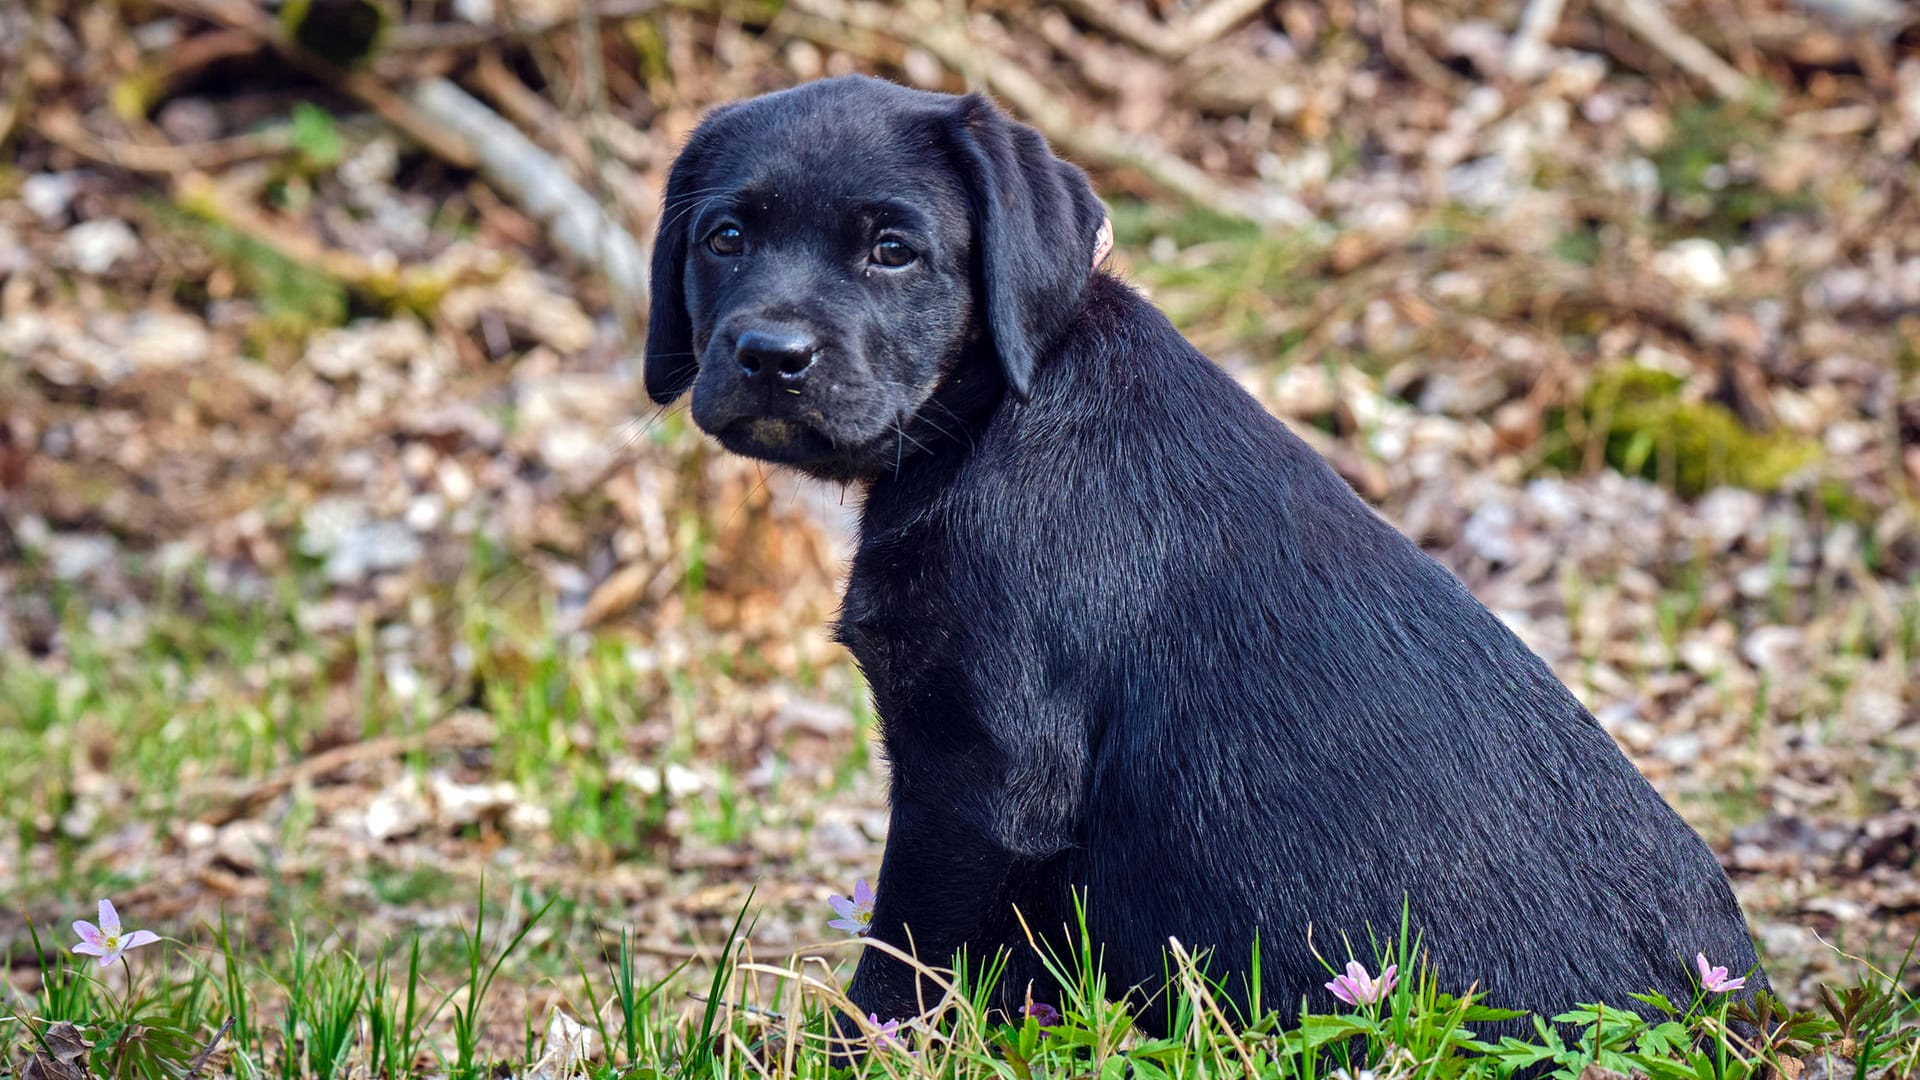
63 127
13 99
453 731
528 110
423 37
1528 48
1169 41
417 286
200 1060
1412 60
447 145
159 74
1645 20
1090 141
529 176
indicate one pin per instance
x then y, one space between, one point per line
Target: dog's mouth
780 440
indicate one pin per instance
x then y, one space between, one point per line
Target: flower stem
1720 1065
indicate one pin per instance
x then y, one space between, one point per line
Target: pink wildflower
1714 979
856 915
107 941
1356 987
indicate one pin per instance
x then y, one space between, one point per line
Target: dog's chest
901 621
892 628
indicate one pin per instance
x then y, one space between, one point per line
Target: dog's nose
783 355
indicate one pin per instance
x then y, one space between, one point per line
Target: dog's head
830 256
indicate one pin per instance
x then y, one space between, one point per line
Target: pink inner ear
1103 242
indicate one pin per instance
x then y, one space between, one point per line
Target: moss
1646 427
1704 138
295 300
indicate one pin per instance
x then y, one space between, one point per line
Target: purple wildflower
107 941
856 915
1714 979
1356 987
1047 1015
887 1034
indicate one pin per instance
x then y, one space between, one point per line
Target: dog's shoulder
1129 422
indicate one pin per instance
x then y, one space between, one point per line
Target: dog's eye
893 253
727 240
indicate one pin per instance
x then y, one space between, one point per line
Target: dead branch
200 1060
1413 60
1527 50
618 182
415 287
1170 41
457 730
1645 20
1033 101
159 73
447 145
539 185
64 128
426 37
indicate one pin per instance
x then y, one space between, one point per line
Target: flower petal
1043 1014
137 939
863 893
88 932
841 906
109 919
1362 983
1388 978
1706 969
1341 990
1731 985
88 948
851 926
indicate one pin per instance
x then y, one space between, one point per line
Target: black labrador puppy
1127 635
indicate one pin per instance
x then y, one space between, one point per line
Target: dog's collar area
1103 242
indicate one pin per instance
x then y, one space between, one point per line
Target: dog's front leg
939 880
960 837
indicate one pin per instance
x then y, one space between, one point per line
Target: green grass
307 1008
214 694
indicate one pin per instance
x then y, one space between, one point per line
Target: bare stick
455 730
62 127
418 37
1412 60
391 107
1650 24
540 186
1039 106
1528 49
1170 41
200 1060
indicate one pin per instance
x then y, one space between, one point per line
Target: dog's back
1285 715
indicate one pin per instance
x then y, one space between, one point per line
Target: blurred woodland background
342 558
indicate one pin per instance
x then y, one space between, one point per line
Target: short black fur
1126 633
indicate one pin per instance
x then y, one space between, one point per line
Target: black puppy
1126 633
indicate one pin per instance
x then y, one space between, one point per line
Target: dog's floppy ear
671 365
1037 220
